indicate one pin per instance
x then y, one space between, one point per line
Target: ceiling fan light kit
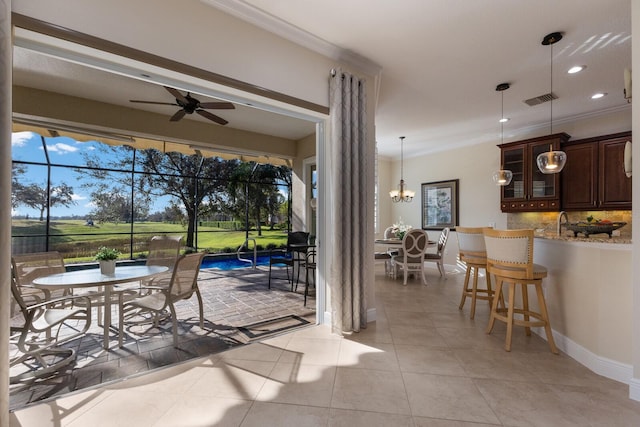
551 161
189 105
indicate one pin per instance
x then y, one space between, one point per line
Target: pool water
232 263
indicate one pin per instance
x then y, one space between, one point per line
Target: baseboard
606 367
634 389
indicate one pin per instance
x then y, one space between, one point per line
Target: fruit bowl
588 228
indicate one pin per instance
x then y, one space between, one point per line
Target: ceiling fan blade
152 102
176 93
213 117
177 116
217 105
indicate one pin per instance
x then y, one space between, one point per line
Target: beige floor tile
264 414
318 331
197 411
470 338
375 332
310 385
234 379
126 408
370 390
602 406
423 360
258 351
561 369
347 418
526 404
362 356
457 319
496 364
408 318
427 337
314 351
434 422
453 398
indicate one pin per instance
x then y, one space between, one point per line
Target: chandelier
401 194
551 161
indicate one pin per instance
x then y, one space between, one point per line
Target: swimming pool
232 263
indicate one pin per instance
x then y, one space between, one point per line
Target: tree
254 189
114 205
36 196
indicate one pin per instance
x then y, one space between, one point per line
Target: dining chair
473 254
163 251
438 255
411 259
38 339
510 260
182 286
290 256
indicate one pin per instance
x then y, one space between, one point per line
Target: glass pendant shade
502 177
551 161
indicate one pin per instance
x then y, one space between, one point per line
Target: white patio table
93 278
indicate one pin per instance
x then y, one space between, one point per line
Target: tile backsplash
548 221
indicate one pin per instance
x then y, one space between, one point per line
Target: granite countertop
594 238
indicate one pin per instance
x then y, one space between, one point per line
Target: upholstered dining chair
438 256
38 339
510 260
414 243
473 254
183 284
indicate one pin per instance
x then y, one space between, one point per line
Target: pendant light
551 161
401 194
503 176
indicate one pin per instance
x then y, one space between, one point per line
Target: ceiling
438 64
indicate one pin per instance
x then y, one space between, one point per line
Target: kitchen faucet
560 215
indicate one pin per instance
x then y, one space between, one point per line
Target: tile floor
422 363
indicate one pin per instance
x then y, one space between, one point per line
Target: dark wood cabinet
594 178
530 190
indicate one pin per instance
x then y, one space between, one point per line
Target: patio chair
438 256
411 259
183 284
27 267
290 256
38 339
163 251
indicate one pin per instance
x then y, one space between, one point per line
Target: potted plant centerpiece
107 258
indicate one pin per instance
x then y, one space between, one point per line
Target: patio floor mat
272 326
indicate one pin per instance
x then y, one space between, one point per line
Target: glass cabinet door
513 160
542 185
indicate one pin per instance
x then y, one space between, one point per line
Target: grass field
78 241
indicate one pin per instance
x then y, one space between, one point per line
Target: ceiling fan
189 105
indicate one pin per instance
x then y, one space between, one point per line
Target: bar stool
474 254
510 260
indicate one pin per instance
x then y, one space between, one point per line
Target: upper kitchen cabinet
594 177
530 190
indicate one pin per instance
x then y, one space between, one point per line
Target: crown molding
248 13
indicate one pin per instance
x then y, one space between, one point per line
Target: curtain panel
349 214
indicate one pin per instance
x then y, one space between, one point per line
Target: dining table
90 278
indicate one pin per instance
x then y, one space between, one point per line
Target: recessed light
504 120
576 69
598 95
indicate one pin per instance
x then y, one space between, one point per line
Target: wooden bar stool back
510 260
474 254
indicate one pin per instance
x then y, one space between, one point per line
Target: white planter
108 268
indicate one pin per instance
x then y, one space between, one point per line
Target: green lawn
78 241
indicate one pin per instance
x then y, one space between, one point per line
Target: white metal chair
411 259
510 260
474 254
27 267
438 256
183 284
38 339
163 251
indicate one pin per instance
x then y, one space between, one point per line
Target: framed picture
440 204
